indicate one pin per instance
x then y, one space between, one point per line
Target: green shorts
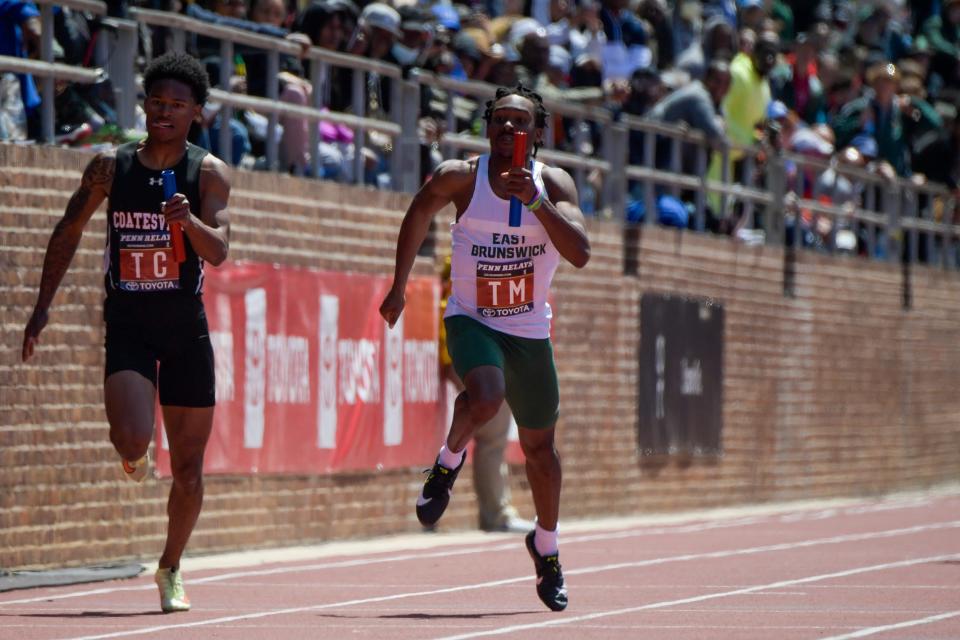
532 389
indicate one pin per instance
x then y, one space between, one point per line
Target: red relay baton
519 159
176 231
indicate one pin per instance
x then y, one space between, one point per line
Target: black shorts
167 330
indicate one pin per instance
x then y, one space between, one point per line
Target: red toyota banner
311 380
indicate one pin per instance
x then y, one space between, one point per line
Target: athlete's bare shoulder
452 177
456 169
215 170
98 176
94 188
560 184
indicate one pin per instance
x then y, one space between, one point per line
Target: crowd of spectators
873 84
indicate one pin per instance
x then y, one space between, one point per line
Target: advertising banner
311 380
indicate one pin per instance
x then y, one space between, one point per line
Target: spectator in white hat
558 66
377 30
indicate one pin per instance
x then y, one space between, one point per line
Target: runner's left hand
177 209
519 182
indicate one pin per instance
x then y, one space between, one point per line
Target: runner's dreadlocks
540 114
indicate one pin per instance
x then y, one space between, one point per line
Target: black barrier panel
681 377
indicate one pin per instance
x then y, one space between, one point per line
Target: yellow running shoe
172 596
137 470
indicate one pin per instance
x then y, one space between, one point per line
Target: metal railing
115 53
777 193
768 191
322 61
53 70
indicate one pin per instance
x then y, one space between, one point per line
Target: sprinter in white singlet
497 318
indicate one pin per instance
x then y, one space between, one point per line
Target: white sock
450 459
546 542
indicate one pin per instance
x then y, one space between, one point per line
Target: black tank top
139 259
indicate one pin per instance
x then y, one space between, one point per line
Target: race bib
504 288
147 264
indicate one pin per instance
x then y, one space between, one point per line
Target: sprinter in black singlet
153 309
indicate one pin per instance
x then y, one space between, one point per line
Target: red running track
881 569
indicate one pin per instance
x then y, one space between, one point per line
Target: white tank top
500 275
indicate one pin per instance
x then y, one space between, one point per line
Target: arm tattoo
100 171
97 176
75 207
66 235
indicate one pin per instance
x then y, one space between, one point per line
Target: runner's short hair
176 65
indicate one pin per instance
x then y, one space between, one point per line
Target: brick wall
834 391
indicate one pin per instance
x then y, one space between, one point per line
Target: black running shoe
550 587
435 496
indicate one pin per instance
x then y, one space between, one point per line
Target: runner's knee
538 450
131 443
188 474
484 407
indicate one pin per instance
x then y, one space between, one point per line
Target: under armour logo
155 182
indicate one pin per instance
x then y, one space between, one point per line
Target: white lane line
315 607
584 570
710 596
341 564
862 633
784 546
567 540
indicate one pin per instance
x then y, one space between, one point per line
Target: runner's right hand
392 306
31 334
